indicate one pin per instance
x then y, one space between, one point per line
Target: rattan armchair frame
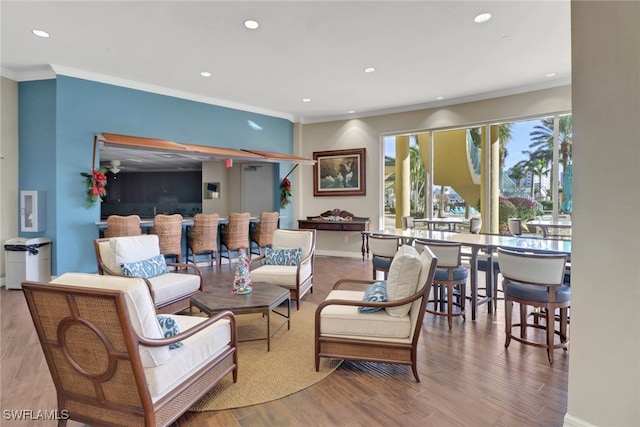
373 350
91 349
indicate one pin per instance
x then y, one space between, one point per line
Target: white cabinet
32 211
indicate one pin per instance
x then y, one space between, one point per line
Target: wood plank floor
468 378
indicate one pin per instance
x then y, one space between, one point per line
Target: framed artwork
339 173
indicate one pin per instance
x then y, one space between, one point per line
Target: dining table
485 243
547 225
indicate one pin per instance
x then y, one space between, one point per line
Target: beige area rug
264 376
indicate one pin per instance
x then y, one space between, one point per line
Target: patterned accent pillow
146 268
282 256
169 329
376 292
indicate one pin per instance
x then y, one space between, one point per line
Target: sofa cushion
342 320
376 292
147 268
141 310
282 256
134 248
169 328
281 275
403 278
197 350
172 286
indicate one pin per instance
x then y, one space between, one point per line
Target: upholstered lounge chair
389 335
109 359
170 290
281 270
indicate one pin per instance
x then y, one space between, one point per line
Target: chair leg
564 320
550 319
508 311
523 321
450 304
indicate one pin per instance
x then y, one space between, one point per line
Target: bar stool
203 237
536 280
118 226
169 231
262 233
235 234
450 280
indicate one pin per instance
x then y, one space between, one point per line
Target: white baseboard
571 421
2 280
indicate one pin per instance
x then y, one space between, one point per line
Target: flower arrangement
285 192
96 183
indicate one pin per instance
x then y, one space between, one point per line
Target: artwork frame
339 172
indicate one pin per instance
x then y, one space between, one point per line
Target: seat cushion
172 286
142 313
281 275
536 292
196 351
340 320
381 263
403 278
442 274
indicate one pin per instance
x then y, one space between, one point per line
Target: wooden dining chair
536 280
383 249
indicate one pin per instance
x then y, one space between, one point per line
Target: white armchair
280 269
378 325
140 256
108 355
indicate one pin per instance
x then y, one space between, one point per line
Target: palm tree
517 172
542 139
416 172
504 136
537 166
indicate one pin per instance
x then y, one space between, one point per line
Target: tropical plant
416 172
542 139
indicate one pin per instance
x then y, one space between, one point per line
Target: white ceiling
315 49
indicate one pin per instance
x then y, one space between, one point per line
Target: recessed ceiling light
306 99
40 33
351 111
551 75
369 70
205 74
439 98
483 17
251 24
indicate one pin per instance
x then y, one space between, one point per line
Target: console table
338 220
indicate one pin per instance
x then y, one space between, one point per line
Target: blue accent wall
58 120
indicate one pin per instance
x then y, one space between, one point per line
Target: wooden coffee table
264 299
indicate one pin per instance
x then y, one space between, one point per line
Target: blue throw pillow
169 329
376 292
146 268
282 256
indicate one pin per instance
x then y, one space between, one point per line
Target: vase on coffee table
242 280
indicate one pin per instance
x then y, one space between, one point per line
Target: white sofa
171 290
